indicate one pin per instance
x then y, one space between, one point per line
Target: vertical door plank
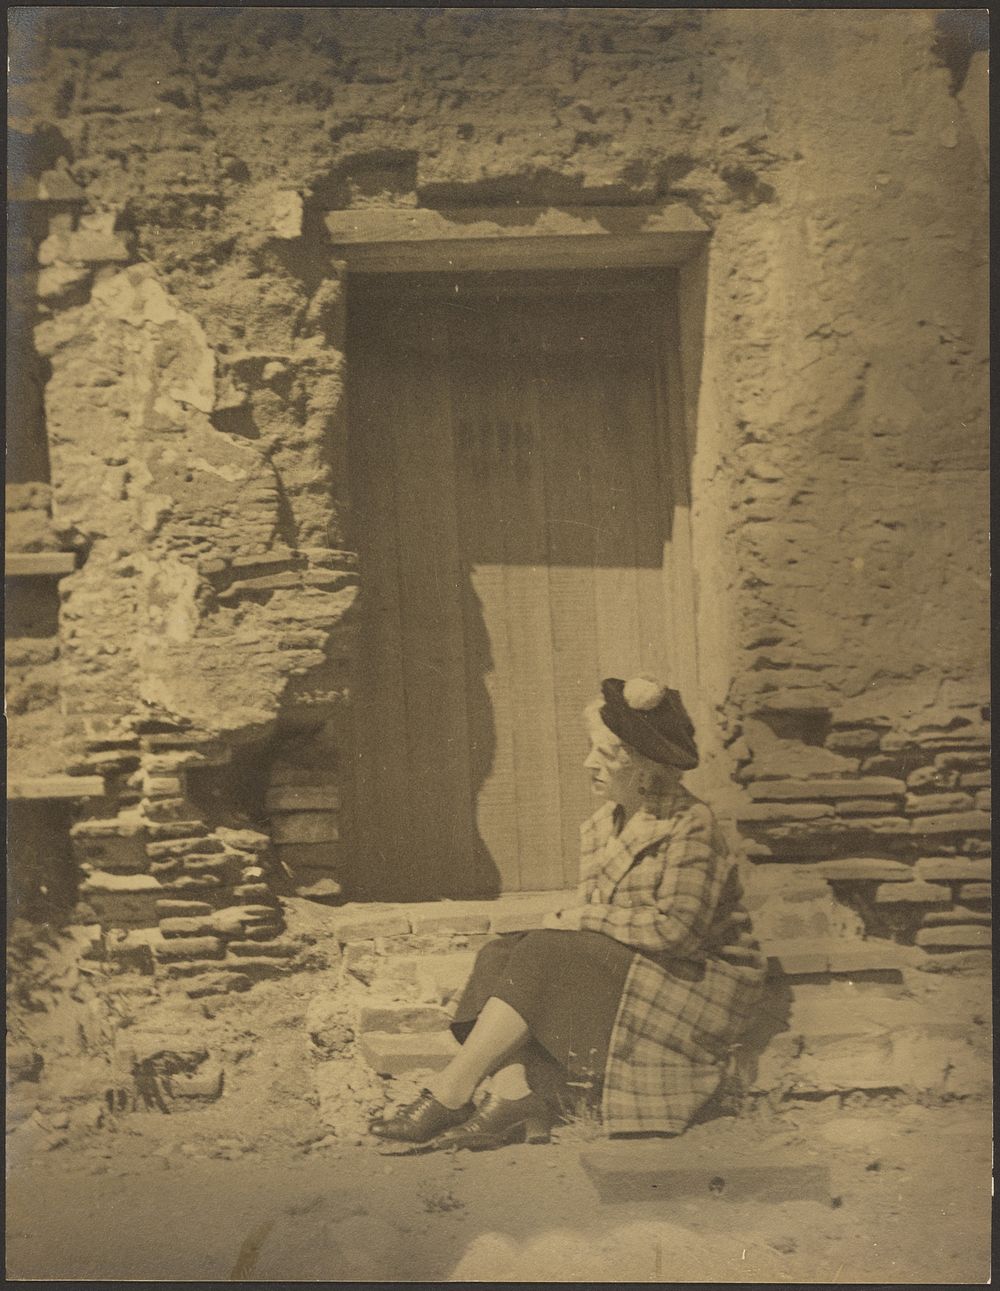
526 583
563 391
430 581
381 820
484 508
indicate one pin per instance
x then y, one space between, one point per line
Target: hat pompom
643 693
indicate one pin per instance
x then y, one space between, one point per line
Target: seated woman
647 980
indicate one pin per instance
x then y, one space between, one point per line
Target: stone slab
867 869
929 804
665 1170
975 891
954 869
959 822
810 790
919 892
393 1055
365 922
754 813
400 1019
525 912
955 937
55 787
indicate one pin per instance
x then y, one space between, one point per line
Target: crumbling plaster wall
194 323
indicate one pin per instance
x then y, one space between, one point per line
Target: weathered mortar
194 325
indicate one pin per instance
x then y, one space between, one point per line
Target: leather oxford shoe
421 1120
499 1121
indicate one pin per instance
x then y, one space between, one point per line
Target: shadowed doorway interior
512 492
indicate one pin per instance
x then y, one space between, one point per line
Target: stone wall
190 325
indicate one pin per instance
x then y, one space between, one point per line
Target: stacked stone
902 828
198 898
303 803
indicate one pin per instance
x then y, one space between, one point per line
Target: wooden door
510 487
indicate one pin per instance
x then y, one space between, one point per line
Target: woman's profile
645 981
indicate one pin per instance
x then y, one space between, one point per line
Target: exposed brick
191 948
306 827
920 804
953 868
795 790
867 869
921 893
954 938
959 823
975 891
392 1055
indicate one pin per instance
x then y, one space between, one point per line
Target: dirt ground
253 1187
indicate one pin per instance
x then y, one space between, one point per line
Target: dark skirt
567 986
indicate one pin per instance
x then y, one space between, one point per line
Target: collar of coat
646 828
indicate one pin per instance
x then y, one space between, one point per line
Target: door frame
400 240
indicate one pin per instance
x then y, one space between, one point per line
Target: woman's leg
499 1030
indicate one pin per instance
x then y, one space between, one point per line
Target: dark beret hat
663 732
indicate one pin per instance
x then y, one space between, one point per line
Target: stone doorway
514 478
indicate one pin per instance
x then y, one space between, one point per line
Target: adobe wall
190 327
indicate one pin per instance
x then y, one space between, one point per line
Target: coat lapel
644 830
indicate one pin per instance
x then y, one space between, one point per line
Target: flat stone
437 977
269 949
808 790
976 780
984 799
247 891
917 892
243 840
808 956
954 868
182 909
957 961
403 1018
393 1055
957 915
933 778
959 823
865 807
859 740
767 811
963 761
975 891
927 804
320 889
177 829
872 956
101 881
191 948
863 869
659 1171
954 937
524 913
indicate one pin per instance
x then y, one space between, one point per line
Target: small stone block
984 799
181 926
252 891
243 840
157 829
393 1055
191 948
935 778
954 869
182 847
662 1171
918 892
957 915
450 916
269 949
320 889
975 780
865 807
976 891
960 937
55 786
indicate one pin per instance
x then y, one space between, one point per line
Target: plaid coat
667 886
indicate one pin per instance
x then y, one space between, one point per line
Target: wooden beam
614 237
34 564
55 786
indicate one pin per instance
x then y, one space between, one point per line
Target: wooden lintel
26 564
382 239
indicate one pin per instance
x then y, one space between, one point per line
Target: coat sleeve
677 917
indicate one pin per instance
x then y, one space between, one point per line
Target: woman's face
612 771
